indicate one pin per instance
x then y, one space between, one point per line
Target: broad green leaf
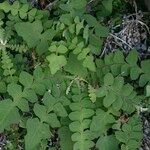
3 87
56 62
8 114
80 115
145 77
79 26
76 125
109 99
86 145
89 63
101 121
15 8
15 91
131 133
26 79
107 143
30 95
31 14
92 93
134 72
117 104
40 111
23 105
36 131
118 57
77 4
127 90
61 49
38 73
49 101
29 33
52 120
90 20
108 79
42 47
86 33
75 66
95 44
148 90
23 11
132 58
65 138
108 5
39 88
66 19
101 31
60 110
5 6
101 92
84 53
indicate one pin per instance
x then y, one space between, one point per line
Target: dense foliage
53 82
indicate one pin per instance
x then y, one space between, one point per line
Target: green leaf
90 20
15 8
108 5
3 87
84 53
60 110
62 49
148 90
134 72
101 121
118 57
36 131
23 11
40 111
38 73
53 121
15 91
5 6
79 26
49 101
26 79
131 134
65 138
66 19
89 63
107 143
92 93
108 79
31 14
144 78
77 4
30 95
101 92
23 105
75 66
29 33
80 116
109 99
86 33
127 90
132 58
56 62
8 114
101 31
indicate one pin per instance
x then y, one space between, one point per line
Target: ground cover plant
61 87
